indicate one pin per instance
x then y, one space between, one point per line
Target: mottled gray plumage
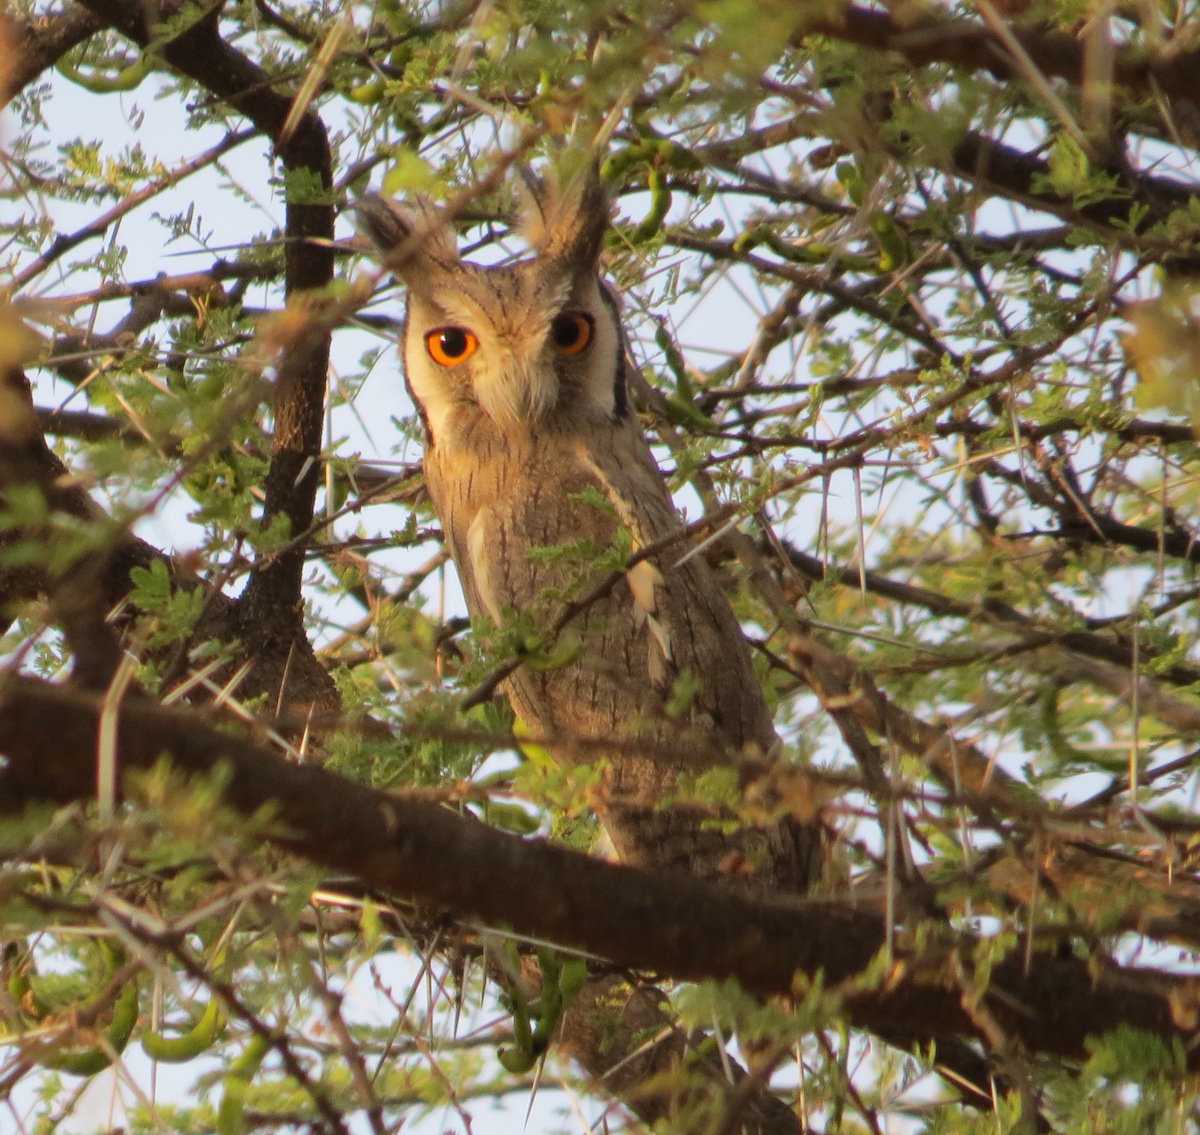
532 443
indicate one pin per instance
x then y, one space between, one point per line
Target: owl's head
528 344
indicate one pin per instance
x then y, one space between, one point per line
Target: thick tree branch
972 44
670 924
38 42
271 610
1025 178
74 587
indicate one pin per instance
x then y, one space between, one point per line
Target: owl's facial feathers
528 344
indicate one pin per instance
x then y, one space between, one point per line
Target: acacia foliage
910 288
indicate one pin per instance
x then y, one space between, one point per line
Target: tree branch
972 44
669 924
271 608
38 42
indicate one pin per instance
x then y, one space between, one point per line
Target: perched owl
536 463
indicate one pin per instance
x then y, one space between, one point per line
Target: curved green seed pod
894 251
618 164
204 1033
131 76
91 1061
231 1112
658 154
571 979
549 1006
205 1030
518 1060
749 239
676 156
561 982
683 412
79 1061
522 1057
127 79
660 204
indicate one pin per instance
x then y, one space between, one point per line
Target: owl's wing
675 631
621 466
678 608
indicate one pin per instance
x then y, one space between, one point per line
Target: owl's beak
514 386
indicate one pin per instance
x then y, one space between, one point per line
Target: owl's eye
571 332
449 346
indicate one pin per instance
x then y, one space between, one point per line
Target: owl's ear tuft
565 218
408 240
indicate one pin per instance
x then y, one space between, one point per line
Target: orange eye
449 346
571 332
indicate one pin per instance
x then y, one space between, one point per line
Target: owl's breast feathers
663 634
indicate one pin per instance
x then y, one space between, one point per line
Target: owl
537 465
